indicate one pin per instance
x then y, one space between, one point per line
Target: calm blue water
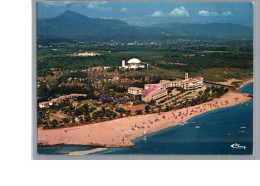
218 130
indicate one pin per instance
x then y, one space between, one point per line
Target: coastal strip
85 152
121 132
246 82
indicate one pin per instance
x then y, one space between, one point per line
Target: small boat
242 127
237 146
242 131
183 123
197 127
144 137
228 134
193 122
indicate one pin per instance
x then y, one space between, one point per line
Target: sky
148 13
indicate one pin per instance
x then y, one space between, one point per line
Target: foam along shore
246 82
121 132
85 152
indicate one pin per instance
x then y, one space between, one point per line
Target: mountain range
71 25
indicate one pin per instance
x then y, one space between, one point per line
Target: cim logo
238 146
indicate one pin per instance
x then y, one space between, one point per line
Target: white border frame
256 100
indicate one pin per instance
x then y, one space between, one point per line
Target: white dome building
132 63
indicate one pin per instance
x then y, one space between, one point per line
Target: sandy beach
85 152
246 82
232 80
121 132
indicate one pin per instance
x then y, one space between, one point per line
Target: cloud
207 13
55 3
178 12
157 14
97 5
228 13
123 9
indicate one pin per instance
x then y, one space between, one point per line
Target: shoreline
121 132
251 80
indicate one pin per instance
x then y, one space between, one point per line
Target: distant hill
71 25
210 30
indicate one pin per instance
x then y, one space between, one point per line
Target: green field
215 61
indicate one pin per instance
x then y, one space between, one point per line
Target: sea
212 133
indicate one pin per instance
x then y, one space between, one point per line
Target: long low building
154 95
56 101
153 91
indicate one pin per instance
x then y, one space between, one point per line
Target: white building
189 83
56 101
85 54
135 90
133 63
166 83
193 83
157 94
44 104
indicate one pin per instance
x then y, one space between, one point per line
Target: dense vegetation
173 58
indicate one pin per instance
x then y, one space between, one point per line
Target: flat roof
136 88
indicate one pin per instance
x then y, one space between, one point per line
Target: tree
85 108
54 123
43 91
39 120
87 118
120 110
152 102
103 108
138 112
137 102
147 109
66 120
226 90
200 92
78 111
108 113
81 119
66 110
169 90
92 108
159 108
128 112
95 115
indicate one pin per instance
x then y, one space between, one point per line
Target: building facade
154 95
56 101
189 83
153 91
135 90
